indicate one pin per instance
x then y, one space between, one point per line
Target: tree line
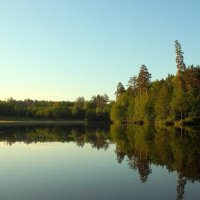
176 98
96 109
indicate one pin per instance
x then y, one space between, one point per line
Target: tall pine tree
179 58
143 80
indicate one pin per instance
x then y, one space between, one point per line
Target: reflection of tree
141 163
120 155
180 187
165 146
98 138
78 137
141 145
98 144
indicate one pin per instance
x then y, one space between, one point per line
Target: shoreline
30 122
41 122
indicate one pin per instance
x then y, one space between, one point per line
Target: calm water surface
48 163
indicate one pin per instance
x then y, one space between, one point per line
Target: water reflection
175 149
96 136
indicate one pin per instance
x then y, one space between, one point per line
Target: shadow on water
177 150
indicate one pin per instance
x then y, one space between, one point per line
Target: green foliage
172 99
120 90
175 98
143 80
117 113
97 109
179 58
119 109
162 99
90 115
140 107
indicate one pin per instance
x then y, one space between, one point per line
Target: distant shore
41 122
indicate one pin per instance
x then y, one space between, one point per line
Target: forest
175 99
96 109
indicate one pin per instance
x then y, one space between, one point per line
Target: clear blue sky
63 49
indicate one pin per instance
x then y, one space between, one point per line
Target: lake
89 162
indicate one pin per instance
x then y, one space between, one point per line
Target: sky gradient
63 49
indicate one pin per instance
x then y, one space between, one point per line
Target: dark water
57 163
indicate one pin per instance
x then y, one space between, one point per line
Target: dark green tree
120 90
143 80
179 58
133 85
